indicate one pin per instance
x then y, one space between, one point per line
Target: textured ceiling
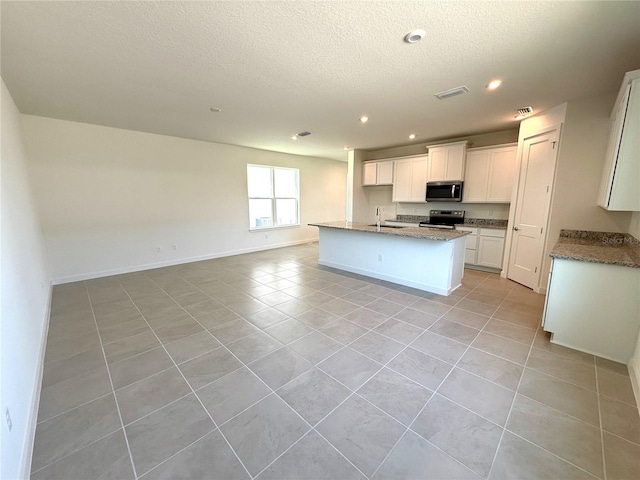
278 68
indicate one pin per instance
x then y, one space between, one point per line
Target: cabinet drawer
492 232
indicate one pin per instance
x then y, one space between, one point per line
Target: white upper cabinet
446 161
410 179
490 174
620 185
377 173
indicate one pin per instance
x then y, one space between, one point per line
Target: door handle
516 229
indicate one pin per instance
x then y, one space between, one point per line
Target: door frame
514 200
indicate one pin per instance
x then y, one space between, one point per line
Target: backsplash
497 211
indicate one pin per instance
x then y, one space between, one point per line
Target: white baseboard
180 261
32 421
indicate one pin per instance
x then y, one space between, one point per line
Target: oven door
444 191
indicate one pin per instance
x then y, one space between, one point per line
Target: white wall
108 197
24 298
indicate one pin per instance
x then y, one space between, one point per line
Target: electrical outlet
158 249
174 247
379 257
266 235
7 415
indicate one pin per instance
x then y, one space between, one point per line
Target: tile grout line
343 346
180 371
506 422
113 390
604 461
435 391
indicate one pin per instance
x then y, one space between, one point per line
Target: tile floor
268 366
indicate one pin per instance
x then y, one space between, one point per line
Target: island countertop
413 232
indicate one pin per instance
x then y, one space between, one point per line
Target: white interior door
537 169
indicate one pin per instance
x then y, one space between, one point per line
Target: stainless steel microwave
444 191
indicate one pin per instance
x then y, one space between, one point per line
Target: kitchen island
427 259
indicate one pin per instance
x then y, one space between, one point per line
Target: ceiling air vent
304 134
452 93
525 111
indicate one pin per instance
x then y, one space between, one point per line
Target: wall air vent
304 134
452 93
525 111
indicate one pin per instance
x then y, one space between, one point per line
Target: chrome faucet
378 217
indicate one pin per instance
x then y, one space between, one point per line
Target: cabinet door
385 173
419 179
625 189
476 176
437 164
369 174
455 162
470 256
402 184
490 251
501 174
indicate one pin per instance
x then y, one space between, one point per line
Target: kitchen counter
598 247
427 259
485 223
468 222
414 232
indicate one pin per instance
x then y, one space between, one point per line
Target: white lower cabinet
490 247
593 307
484 246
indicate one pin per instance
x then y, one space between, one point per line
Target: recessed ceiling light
493 84
519 117
412 136
294 137
414 36
347 148
364 119
215 110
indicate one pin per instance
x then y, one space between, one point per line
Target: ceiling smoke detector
414 36
452 93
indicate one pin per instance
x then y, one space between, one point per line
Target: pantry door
533 201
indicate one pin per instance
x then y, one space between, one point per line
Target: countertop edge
410 232
605 248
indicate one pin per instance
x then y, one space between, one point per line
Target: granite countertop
414 232
468 222
485 223
598 247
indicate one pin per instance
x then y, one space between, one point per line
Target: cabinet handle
516 229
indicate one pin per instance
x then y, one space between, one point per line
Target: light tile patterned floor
267 366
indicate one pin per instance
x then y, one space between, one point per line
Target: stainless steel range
444 219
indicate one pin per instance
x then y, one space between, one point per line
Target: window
274 196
